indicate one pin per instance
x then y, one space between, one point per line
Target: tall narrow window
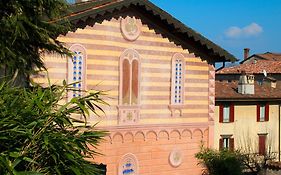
130 78
177 84
178 71
76 70
226 113
262 112
129 87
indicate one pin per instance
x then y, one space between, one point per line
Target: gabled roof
269 56
87 13
257 67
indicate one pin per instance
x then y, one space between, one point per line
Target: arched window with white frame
177 83
77 70
178 79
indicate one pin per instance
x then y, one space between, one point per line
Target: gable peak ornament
130 28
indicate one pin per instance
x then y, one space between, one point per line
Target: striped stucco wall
104 44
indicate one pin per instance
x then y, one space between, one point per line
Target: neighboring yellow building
247 114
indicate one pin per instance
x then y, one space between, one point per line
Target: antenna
264 73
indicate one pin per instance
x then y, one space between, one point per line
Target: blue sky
232 24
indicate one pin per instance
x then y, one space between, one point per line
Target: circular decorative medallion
128 165
131 28
175 158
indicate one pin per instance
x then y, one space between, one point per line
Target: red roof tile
229 91
254 68
270 56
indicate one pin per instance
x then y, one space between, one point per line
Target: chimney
246 53
270 81
246 84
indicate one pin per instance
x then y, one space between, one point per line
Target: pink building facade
160 83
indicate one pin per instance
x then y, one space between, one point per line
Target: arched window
129 79
178 78
129 92
128 165
177 84
76 70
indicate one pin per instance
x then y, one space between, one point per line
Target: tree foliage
221 162
26 31
37 134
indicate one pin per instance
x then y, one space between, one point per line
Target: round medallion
175 158
128 165
131 28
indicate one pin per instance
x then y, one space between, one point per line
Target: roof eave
82 11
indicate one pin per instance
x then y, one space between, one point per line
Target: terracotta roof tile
229 90
254 68
270 56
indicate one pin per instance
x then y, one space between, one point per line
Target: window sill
226 122
261 121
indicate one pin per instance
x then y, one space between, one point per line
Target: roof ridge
199 44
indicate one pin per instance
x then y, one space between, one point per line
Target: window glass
225 142
226 113
262 112
76 70
178 81
77 62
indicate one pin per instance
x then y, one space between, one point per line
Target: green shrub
38 136
222 162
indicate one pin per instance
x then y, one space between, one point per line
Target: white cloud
250 30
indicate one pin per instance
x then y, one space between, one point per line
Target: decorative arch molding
129 134
195 131
109 139
129 87
177 84
140 133
152 132
176 131
181 133
76 69
206 131
116 135
186 132
164 132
